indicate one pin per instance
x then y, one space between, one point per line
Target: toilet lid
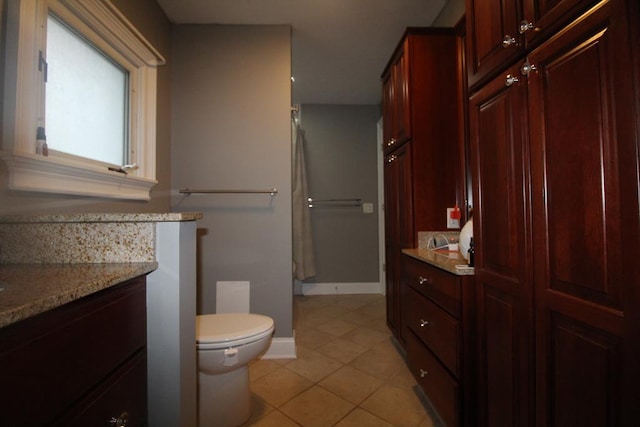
229 327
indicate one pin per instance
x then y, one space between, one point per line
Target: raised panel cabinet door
585 227
396 109
391 238
493 40
542 18
498 129
399 230
405 225
402 110
388 113
404 167
391 277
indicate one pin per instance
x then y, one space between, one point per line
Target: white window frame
23 110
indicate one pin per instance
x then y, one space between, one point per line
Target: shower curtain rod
272 191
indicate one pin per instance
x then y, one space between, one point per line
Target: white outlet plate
367 207
452 223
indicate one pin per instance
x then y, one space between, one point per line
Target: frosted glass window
86 98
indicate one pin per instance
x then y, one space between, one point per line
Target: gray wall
341 157
150 20
450 14
231 130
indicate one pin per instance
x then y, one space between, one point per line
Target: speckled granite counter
82 238
443 260
49 260
101 217
30 289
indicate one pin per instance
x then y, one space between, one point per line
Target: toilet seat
224 330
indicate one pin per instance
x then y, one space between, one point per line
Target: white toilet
226 343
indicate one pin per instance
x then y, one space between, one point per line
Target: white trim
281 348
28 172
104 18
23 102
350 288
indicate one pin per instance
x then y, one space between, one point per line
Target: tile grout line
316 310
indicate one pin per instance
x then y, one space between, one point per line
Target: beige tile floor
348 372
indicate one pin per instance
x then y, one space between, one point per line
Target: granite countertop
444 260
102 217
49 260
30 289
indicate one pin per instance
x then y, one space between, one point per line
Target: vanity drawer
53 359
436 328
441 388
122 395
441 287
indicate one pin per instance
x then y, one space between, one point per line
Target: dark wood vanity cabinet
437 326
421 170
82 364
554 155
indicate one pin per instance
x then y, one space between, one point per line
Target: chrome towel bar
272 191
334 202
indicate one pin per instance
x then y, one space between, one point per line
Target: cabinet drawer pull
526 26
422 280
509 41
424 323
391 158
423 373
527 68
391 142
121 421
510 80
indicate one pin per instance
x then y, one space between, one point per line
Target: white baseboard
281 348
337 288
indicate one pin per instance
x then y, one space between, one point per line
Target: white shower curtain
303 258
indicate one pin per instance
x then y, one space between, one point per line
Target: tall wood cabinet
420 133
554 143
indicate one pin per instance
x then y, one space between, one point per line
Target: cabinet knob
509 41
510 80
423 280
526 26
423 323
423 373
391 158
527 68
391 142
121 421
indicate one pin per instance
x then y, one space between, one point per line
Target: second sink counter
442 259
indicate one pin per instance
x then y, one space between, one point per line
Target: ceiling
339 47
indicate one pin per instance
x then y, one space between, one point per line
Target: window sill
31 172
